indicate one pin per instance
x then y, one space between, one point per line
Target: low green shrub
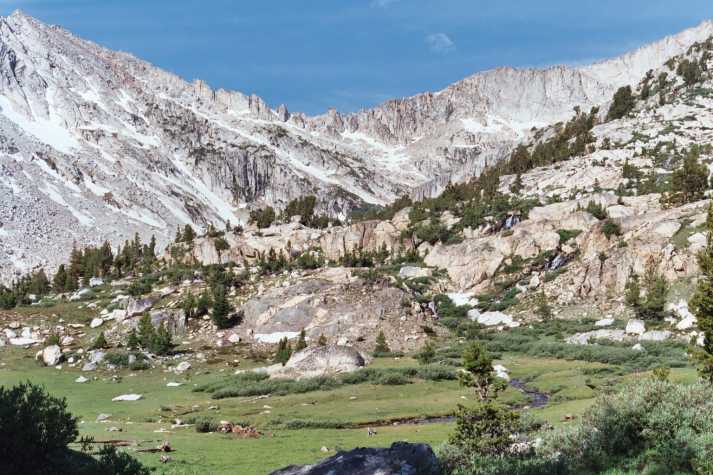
648 426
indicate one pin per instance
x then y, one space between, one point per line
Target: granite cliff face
98 145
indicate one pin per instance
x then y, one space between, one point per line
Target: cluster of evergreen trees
131 258
688 183
648 304
303 207
214 299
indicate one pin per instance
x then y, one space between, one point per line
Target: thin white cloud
440 43
383 3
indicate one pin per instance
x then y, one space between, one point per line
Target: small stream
537 398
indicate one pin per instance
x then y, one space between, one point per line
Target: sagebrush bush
257 384
663 426
648 426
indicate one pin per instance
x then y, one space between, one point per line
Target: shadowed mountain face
97 145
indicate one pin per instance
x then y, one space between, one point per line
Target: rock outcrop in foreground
400 459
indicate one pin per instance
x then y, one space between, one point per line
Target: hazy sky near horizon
350 54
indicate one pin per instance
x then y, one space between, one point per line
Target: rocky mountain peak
98 144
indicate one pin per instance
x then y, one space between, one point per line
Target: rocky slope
98 145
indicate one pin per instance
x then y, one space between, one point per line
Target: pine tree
479 373
146 331
39 283
517 186
133 341
72 283
381 346
622 104
76 265
542 306
221 308
426 355
322 340
161 341
284 351
188 233
656 286
690 181
105 259
520 160
220 245
100 343
702 304
59 282
189 305
302 342
202 304
632 292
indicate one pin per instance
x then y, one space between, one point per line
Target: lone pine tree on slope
702 304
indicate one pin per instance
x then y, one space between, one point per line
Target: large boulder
604 334
412 272
138 306
80 294
635 327
52 355
655 335
334 303
492 319
401 458
175 320
319 361
475 261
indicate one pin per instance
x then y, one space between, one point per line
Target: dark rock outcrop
401 458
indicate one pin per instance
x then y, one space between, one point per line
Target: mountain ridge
98 145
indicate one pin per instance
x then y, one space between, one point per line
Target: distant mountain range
98 145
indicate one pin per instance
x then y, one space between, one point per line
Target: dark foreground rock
400 459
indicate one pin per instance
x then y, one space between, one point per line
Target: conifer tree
322 340
146 331
516 186
59 282
72 283
542 306
220 245
284 351
381 346
622 104
426 355
202 304
632 291
221 308
133 341
75 264
188 234
161 340
100 343
302 342
189 305
702 304
689 182
479 373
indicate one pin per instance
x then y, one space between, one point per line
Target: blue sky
350 54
